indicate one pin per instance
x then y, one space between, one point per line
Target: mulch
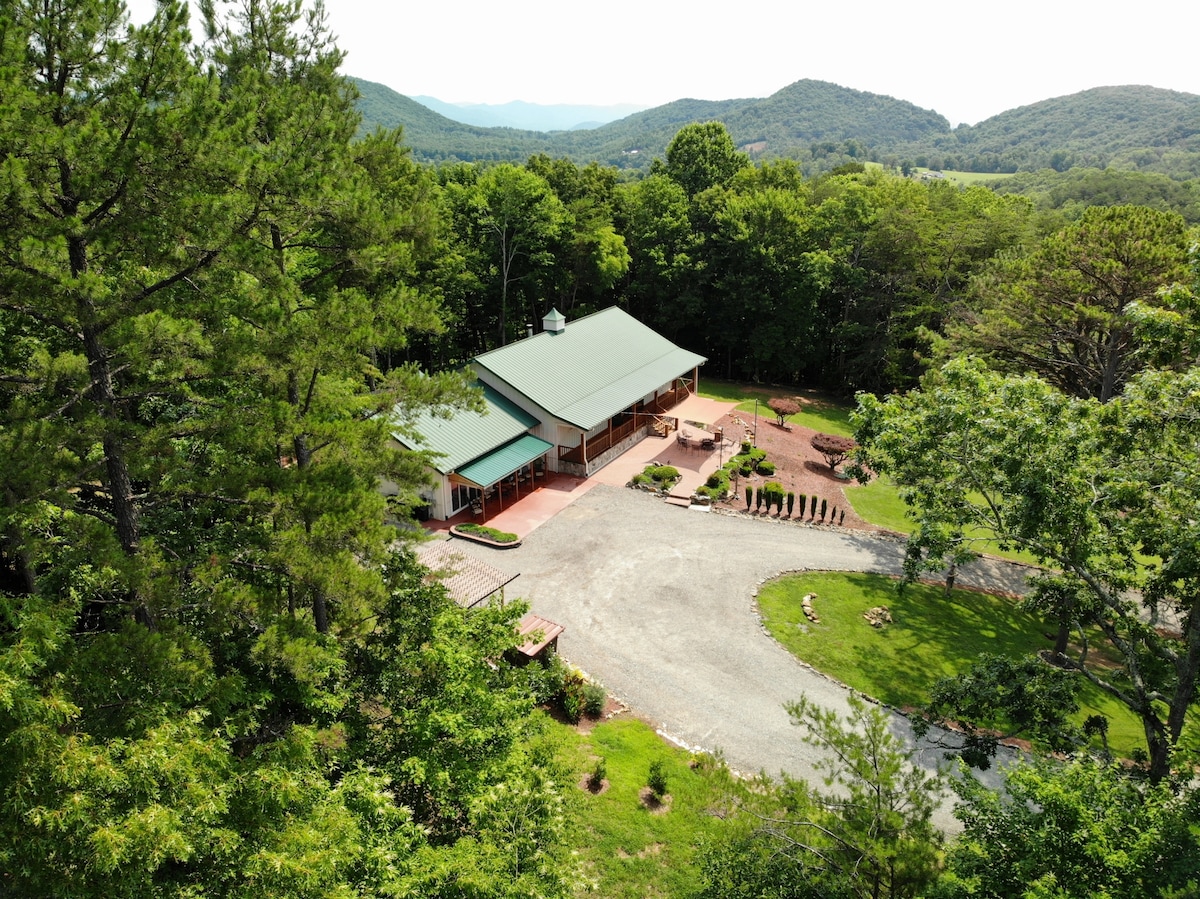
798 468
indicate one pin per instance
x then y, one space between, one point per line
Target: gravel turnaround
659 605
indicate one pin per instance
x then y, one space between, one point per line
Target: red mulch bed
798 467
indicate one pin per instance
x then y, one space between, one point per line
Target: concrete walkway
658 602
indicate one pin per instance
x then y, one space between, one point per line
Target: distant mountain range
530 116
821 125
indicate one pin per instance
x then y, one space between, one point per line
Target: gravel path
658 605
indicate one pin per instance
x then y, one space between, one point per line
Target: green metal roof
594 368
468 434
500 463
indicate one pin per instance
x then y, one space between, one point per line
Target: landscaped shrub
773 494
749 496
803 503
842 516
594 699
812 509
657 779
595 779
746 447
758 499
482 530
574 698
548 681
661 477
791 501
782 406
663 473
823 507
833 447
766 468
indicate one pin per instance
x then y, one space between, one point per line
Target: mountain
529 116
1129 127
822 125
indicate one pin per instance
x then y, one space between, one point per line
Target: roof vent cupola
554 322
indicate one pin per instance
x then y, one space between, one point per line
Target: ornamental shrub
791 501
833 447
773 494
766 468
823 507
749 496
803 503
594 699
782 406
663 473
812 508
482 530
657 779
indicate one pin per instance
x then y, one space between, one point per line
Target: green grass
971 177
735 392
878 501
626 849
930 637
819 413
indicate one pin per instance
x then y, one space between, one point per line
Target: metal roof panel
594 368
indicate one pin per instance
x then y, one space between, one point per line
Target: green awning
503 461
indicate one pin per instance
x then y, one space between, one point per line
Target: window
463 496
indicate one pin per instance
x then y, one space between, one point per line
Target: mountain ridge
821 125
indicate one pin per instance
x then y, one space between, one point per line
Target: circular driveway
659 605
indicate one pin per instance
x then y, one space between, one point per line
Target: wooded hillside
822 125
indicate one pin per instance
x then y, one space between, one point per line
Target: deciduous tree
1075 831
1104 496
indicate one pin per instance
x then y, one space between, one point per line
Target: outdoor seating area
706 441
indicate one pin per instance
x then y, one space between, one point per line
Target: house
570 399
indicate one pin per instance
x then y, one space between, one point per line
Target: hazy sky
967 61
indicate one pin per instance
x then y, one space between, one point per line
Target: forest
820 126
223 674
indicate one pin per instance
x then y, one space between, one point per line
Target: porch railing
597 444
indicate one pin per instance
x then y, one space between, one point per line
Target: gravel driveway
658 605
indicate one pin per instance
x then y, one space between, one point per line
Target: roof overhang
502 461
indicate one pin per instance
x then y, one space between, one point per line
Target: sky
967 65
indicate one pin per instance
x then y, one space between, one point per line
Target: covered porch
600 445
501 477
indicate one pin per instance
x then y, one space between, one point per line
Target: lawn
930 637
627 848
820 412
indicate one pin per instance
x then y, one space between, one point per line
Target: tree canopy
1103 495
203 616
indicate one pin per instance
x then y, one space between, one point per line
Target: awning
503 461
